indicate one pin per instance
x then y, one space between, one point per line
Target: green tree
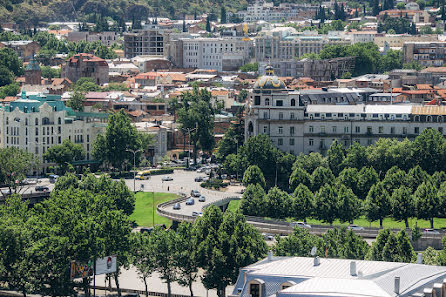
320 177
349 178
431 256
355 157
65 153
427 202
120 135
377 204
14 164
86 84
223 15
9 90
344 244
405 249
254 201
229 143
415 177
11 61
6 76
428 150
250 67
298 177
186 256
278 203
76 101
375 252
366 179
208 24
310 162
50 72
302 203
299 244
253 175
143 257
403 205
349 206
394 179
326 204
335 157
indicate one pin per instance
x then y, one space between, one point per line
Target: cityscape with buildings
223 148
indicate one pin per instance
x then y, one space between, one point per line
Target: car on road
431 232
146 229
202 199
355 228
195 193
190 201
41 188
198 179
177 206
167 178
195 214
268 236
301 225
6 192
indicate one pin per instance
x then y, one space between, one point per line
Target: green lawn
142 214
388 223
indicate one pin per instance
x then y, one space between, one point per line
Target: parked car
268 236
431 232
198 179
195 193
355 228
202 198
177 206
6 192
195 214
167 178
300 225
224 176
41 188
190 201
146 229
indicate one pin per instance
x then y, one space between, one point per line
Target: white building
302 277
35 123
159 148
221 54
305 121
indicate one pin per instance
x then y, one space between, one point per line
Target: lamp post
134 166
189 131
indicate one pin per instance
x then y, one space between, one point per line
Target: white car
355 228
167 178
431 232
301 225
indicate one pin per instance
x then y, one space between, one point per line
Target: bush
214 184
161 171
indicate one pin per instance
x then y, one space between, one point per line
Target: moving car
300 225
195 214
198 179
143 175
41 188
431 232
202 198
355 228
190 201
268 236
177 206
195 193
167 178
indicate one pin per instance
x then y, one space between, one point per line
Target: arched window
26 121
256 288
288 284
250 127
37 121
417 118
45 121
267 101
59 121
429 119
293 102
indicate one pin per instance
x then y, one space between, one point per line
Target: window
59 121
280 115
369 130
369 142
440 129
358 129
293 102
265 115
292 116
310 129
380 129
322 129
265 129
346 129
280 130
257 100
280 141
334 128
37 121
26 122
59 140
254 290
279 103
404 130
291 141
267 101
416 130
59 130
345 142
37 131
392 130
310 142
291 130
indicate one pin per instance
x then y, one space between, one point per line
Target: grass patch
233 205
143 213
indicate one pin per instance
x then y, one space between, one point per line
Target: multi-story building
86 65
416 16
159 148
221 54
425 53
35 123
398 40
266 11
106 38
25 49
285 46
303 122
150 41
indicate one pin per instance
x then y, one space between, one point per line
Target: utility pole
134 166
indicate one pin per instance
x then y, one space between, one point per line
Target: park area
143 213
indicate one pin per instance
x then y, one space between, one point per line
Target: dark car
190 201
42 188
177 206
198 179
148 230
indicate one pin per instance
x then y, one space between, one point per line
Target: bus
143 174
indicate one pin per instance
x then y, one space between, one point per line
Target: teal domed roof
269 81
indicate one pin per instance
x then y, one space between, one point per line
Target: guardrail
171 215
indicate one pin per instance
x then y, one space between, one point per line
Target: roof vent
396 287
353 268
420 258
317 261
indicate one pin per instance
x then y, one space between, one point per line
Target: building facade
86 65
425 53
106 38
147 42
309 121
35 123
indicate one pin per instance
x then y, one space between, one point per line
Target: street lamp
189 130
134 166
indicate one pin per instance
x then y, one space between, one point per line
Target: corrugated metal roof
429 110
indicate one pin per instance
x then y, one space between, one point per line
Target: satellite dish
313 251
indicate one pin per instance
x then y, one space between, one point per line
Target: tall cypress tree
223 15
208 24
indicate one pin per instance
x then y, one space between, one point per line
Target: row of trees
10 67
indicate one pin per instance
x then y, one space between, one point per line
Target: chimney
316 261
429 292
420 258
270 255
439 290
396 287
353 268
